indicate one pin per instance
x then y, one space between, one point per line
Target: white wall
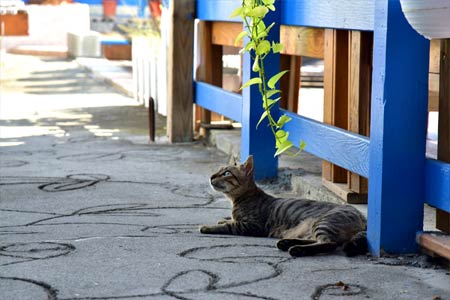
49 24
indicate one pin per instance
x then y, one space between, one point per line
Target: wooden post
210 67
180 81
360 87
335 92
442 217
398 135
290 83
260 141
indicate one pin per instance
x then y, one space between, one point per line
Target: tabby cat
304 227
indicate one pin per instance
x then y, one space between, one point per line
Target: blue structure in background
140 4
401 178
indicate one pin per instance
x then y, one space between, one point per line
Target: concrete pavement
90 210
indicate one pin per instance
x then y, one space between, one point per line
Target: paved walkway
90 210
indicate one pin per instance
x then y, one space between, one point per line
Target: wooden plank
433 80
436 243
344 148
225 33
209 69
335 92
347 14
302 41
433 91
360 86
218 100
290 83
435 56
345 193
180 81
443 218
398 135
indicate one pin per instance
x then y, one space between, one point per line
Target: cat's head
235 179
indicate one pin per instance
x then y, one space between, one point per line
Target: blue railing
401 178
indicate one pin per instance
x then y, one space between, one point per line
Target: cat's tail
357 245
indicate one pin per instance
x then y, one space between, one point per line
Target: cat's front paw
205 229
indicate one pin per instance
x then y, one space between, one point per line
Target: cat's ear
248 166
233 161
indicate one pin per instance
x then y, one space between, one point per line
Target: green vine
259 47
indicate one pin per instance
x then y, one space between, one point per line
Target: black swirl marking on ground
99 156
189 276
137 210
16 180
36 250
272 260
12 163
57 184
172 229
14 232
27 153
50 292
74 182
338 290
247 295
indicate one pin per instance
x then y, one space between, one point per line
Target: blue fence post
260 141
142 4
398 132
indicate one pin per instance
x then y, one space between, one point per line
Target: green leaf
263 116
258 12
263 48
268 2
270 102
271 7
239 37
283 120
270 27
302 145
277 47
262 34
250 45
281 135
274 79
270 93
255 66
252 81
249 2
283 147
237 12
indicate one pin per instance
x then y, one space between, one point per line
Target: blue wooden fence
401 178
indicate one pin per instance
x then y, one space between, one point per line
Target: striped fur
304 227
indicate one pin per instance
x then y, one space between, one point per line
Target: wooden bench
116 48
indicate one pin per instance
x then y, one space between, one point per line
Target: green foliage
141 27
252 13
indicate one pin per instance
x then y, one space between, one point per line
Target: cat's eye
226 173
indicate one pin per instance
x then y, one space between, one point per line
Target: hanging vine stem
259 47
